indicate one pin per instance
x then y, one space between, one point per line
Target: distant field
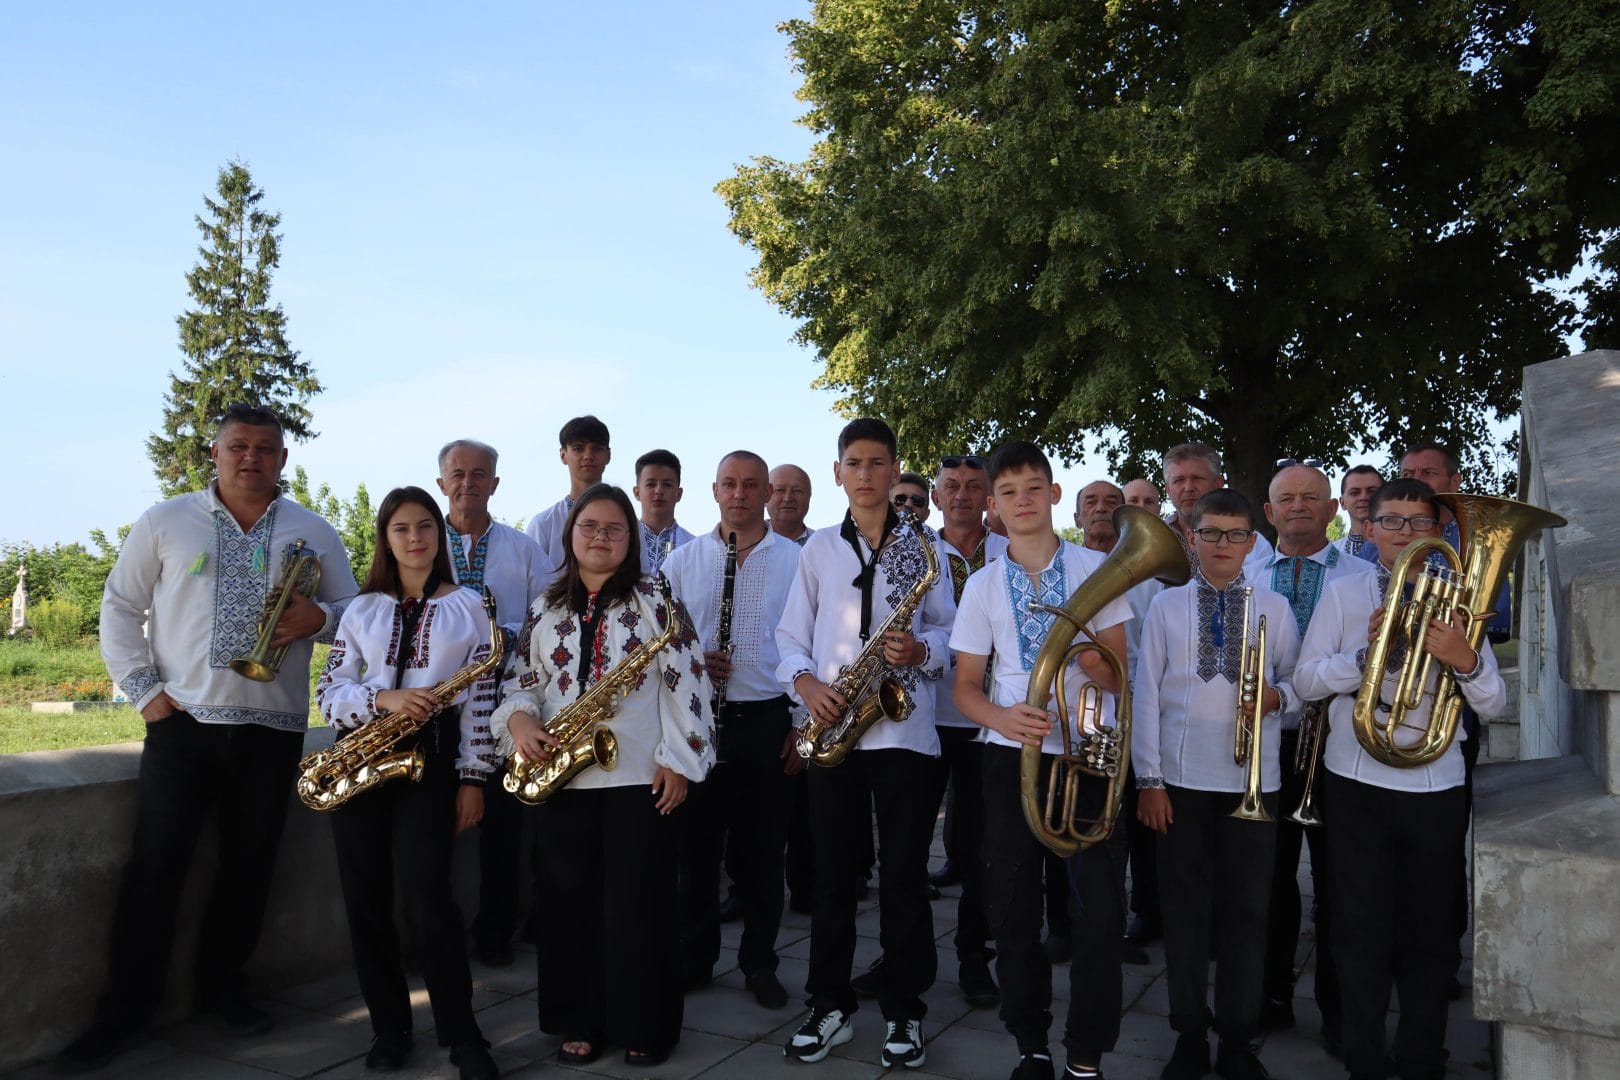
30 672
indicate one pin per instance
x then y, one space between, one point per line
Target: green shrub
58 624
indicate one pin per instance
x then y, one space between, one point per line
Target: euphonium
1491 531
1146 549
580 727
370 756
1251 713
871 690
300 572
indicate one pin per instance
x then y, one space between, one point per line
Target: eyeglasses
1213 536
902 500
1309 463
590 530
952 461
1395 522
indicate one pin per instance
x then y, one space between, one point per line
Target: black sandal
569 1057
645 1057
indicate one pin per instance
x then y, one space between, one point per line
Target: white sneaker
822 1030
904 1045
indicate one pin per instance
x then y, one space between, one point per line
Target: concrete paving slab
301 1044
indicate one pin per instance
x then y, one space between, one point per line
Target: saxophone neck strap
410 615
866 579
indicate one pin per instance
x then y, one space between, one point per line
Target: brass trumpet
1251 713
1313 724
1146 549
300 572
1492 531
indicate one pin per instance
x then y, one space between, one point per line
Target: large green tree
234 339
1298 228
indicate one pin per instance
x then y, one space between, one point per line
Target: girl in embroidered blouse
409 628
608 950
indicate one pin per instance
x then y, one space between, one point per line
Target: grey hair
1192 451
469 444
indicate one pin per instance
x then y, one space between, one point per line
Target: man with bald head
1142 492
1300 506
789 502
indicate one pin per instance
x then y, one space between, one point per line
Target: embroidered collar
1299 578
963 566
658 543
1050 586
469 573
1221 632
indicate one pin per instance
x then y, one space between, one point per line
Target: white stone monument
19 602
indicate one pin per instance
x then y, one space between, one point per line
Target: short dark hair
1193 451
747 455
566 587
587 429
383 575
242 412
1016 455
917 479
1453 466
868 427
1403 489
658 457
1223 501
1359 470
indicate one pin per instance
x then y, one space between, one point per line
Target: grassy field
30 672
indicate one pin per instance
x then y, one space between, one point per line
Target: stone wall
1547 832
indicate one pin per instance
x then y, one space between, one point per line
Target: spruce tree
234 339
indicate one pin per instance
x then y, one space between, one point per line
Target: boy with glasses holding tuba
1397 834
995 619
1201 655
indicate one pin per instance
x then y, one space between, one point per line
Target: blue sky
495 217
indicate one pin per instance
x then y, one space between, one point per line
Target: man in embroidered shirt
1355 494
790 502
850 580
583 448
1191 471
995 619
1141 492
485 554
1299 508
658 489
1214 869
196 573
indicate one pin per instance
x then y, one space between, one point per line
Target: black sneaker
1144 931
97 1046
945 876
973 975
1035 1065
903 1045
869 985
1190 1060
1276 1015
767 989
822 1030
388 1052
1236 1061
1134 954
474 1060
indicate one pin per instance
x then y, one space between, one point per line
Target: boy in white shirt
994 618
1214 869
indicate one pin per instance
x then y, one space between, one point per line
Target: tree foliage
234 339
354 519
1286 228
70 573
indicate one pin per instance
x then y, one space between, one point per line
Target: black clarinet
722 642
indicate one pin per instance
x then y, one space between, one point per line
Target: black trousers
742 807
244 774
1282 925
800 860
406 831
1144 860
1215 884
1394 882
1015 864
960 767
607 952
901 786
500 865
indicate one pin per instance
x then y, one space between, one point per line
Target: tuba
300 572
868 685
1146 549
359 762
1491 530
1251 713
580 727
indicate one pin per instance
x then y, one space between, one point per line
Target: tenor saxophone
580 727
868 685
329 778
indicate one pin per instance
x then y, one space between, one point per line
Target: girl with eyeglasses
610 969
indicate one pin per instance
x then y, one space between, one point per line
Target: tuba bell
1492 531
1146 549
300 573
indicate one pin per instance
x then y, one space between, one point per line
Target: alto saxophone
329 778
580 727
868 685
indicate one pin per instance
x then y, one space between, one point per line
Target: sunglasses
901 501
952 461
1309 463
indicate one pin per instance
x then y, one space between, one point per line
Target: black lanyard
412 614
590 619
865 580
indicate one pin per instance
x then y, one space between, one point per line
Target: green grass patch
31 671
22 730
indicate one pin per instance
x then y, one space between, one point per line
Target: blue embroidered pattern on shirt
469 574
657 545
1302 593
136 684
239 590
903 564
1220 633
1033 626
